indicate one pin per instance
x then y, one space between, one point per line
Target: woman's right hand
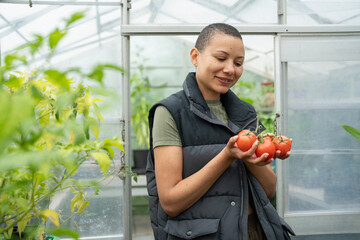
249 156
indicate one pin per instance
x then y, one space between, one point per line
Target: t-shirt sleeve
165 132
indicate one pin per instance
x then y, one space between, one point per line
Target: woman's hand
256 165
249 156
277 155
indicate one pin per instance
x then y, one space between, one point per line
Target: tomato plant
265 146
245 140
283 144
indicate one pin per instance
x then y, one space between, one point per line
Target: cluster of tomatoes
268 143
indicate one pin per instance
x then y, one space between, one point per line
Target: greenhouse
78 78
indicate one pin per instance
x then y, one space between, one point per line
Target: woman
200 185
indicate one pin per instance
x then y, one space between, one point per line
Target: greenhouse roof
20 19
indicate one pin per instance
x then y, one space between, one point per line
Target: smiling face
219 65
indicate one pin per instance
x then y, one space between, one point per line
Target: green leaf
114 67
18 108
22 203
353 131
10 59
94 126
60 232
70 165
97 73
114 142
57 78
248 100
79 137
103 160
110 151
37 94
52 215
55 37
78 202
36 44
74 17
14 82
44 117
23 222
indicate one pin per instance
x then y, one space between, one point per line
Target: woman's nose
229 68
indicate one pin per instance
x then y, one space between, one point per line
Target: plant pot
140 160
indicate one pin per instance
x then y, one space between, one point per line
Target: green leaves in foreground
353 131
49 126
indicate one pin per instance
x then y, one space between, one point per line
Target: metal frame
135 30
62 3
125 46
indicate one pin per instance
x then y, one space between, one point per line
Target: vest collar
193 93
240 113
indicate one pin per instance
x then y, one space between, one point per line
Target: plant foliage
49 126
353 131
140 104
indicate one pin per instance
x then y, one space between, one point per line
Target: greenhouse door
317 91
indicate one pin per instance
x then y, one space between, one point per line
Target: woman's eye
221 59
238 64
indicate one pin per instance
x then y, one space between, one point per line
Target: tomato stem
277 115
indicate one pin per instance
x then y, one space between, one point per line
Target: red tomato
283 144
266 146
245 140
267 135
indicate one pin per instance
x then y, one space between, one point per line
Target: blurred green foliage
140 106
261 97
353 131
47 123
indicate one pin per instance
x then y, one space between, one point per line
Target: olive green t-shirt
165 131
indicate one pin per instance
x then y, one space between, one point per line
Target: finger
253 147
285 156
232 141
261 160
268 161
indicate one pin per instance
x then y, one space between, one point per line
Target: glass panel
323 173
314 129
103 218
323 182
204 12
321 97
314 12
100 24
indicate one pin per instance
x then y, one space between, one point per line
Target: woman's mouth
224 81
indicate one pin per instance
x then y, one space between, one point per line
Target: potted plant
49 127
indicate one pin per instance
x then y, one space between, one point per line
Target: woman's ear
194 55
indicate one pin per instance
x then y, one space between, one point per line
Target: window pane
203 12
321 97
314 12
323 173
103 218
323 182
